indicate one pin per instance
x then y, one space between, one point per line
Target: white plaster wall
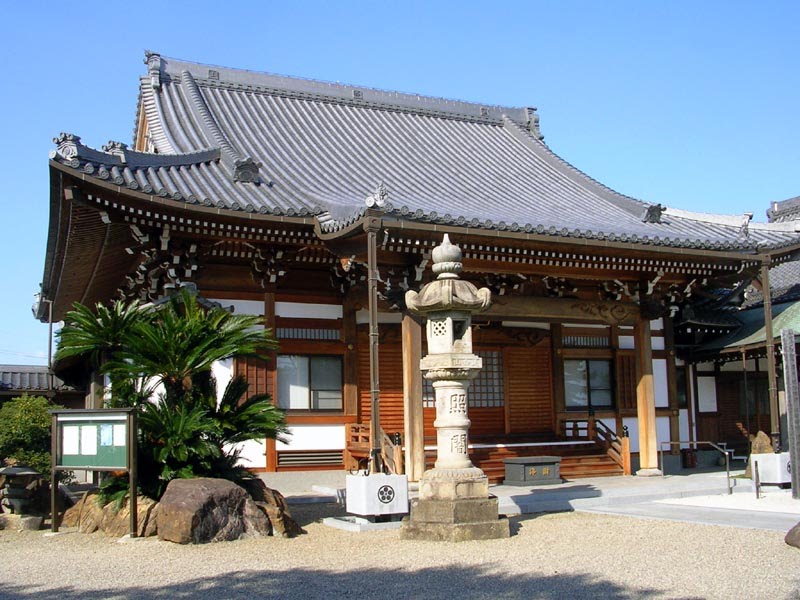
707 394
314 437
243 307
657 324
253 454
662 432
362 317
222 370
657 343
708 366
626 342
660 382
308 310
683 425
611 424
632 423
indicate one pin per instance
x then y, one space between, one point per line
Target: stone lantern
454 502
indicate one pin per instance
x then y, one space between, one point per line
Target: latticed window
485 391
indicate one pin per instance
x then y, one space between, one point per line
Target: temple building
279 197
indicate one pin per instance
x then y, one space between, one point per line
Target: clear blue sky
692 104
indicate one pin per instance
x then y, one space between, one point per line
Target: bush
25 431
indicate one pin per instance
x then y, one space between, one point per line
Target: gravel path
566 555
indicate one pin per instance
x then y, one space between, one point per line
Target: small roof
260 143
27 378
752 333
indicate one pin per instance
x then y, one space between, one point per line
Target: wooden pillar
271 382
412 398
559 403
350 340
645 401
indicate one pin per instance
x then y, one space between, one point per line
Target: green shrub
25 431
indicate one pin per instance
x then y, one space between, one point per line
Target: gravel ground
566 555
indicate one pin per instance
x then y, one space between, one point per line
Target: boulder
759 444
793 536
201 510
86 515
117 521
274 506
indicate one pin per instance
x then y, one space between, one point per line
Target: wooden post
270 452
626 455
412 399
53 479
646 401
774 413
790 384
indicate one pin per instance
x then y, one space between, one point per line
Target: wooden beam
672 385
645 401
563 310
271 454
412 398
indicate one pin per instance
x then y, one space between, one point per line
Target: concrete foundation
455 521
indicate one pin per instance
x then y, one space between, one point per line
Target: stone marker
454 502
760 444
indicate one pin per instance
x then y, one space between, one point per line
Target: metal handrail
724 451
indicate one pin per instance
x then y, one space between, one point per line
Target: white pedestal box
773 468
377 494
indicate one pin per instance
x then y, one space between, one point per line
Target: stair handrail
726 453
618 448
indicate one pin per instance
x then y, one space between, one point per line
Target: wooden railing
359 445
618 448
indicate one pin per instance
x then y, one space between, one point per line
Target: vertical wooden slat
350 374
672 385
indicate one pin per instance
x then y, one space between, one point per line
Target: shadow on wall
378 584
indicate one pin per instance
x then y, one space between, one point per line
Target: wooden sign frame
97 430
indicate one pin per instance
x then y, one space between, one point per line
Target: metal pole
774 415
376 465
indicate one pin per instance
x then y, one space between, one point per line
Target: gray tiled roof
24 378
277 145
786 210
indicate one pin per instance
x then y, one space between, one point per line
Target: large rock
793 536
117 521
207 510
274 506
90 515
760 444
86 515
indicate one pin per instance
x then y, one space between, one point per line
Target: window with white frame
587 384
309 382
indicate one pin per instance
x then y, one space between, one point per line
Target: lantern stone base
453 484
457 520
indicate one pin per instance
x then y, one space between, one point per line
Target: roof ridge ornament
116 149
67 146
379 197
652 213
744 228
533 123
245 170
153 62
